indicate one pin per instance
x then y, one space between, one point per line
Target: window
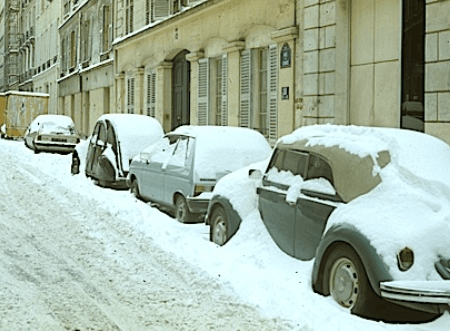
85 40
129 16
159 9
258 90
130 95
319 168
73 50
151 94
106 29
212 91
292 161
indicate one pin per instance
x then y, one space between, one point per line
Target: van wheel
134 189
182 213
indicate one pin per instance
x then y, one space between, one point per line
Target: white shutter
160 9
224 88
272 94
203 92
130 95
151 94
245 89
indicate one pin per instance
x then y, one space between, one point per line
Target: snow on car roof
134 132
62 120
221 150
425 156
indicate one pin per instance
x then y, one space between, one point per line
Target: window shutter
147 12
245 89
151 94
203 89
130 95
272 94
224 88
160 9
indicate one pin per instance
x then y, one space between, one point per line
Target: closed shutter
245 89
272 94
160 9
130 95
224 88
203 89
151 94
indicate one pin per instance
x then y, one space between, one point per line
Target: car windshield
57 128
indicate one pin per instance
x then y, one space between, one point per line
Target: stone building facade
207 62
46 50
268 65
86 61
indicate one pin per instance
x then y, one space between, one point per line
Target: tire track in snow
69 264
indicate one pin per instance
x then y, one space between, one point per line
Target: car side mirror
254 174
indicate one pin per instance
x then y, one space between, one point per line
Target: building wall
86 62
208 31
437 69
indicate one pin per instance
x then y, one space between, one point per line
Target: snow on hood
221 150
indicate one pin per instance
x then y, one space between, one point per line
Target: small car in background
370 206
115 140
52 133
179 171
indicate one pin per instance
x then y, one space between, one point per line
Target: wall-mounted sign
285 58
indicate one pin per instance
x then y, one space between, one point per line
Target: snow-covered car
115 140
52 133
371 206
180 171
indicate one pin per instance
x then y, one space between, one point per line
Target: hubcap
344 284
219 231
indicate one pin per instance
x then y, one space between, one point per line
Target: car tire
345 263
218 231
134 189
347 281
182 213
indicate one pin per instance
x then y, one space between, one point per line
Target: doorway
181 73
413 58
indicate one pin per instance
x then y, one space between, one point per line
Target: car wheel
347 281
219 227
182 213
134 189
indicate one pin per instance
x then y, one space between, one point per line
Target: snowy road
74 256
68 264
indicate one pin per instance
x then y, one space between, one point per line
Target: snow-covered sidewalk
74 256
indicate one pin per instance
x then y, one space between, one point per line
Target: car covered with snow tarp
115 140
371 206
180 170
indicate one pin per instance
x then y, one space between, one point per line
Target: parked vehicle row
370 206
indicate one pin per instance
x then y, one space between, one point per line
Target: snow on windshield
53 124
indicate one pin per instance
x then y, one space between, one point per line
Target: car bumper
54 147
419 292
197 205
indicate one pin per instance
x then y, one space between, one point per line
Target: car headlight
405 259
202 188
